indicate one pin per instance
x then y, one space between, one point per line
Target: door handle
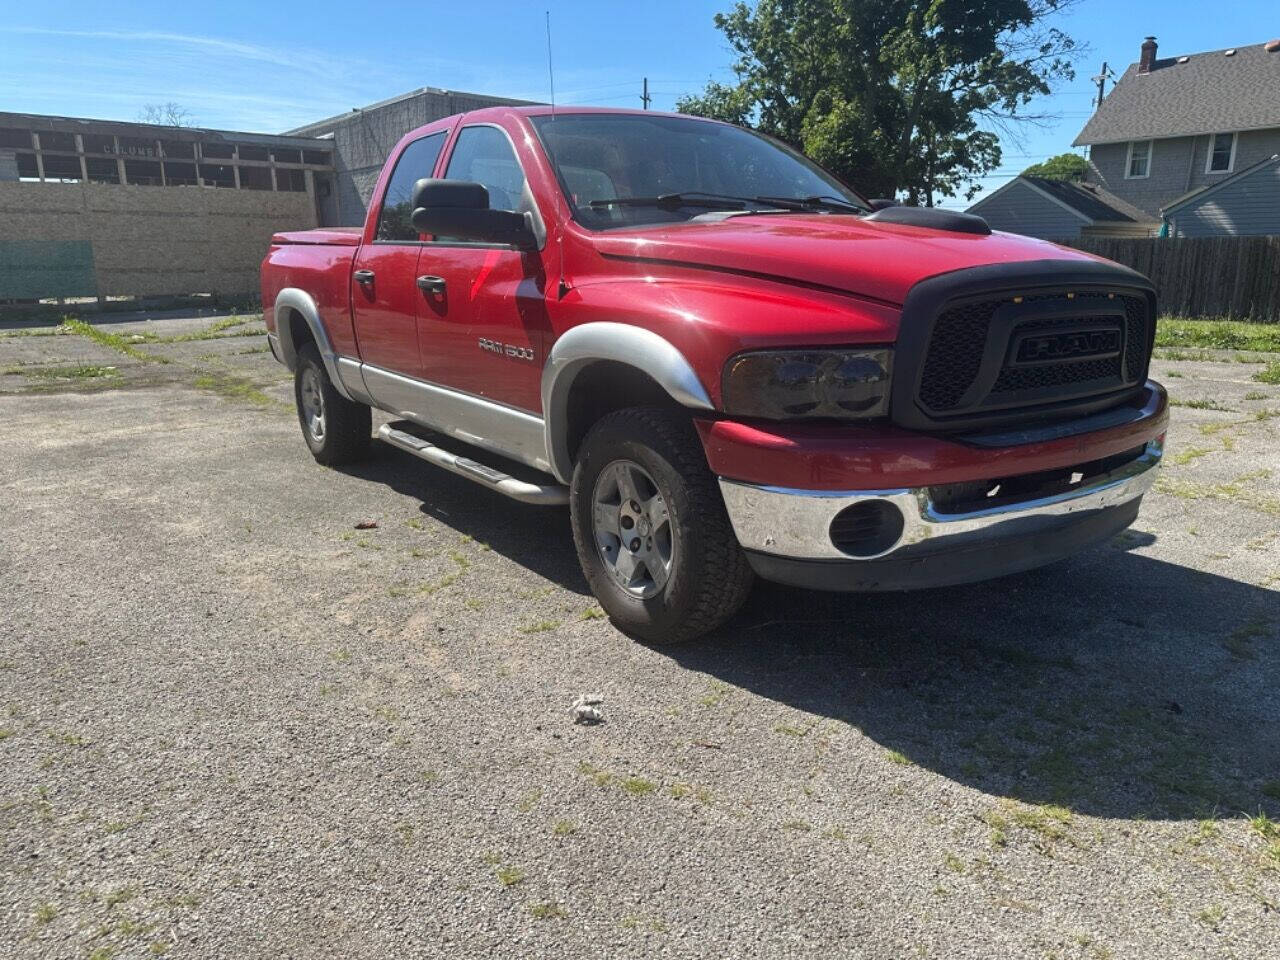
363 276
431 284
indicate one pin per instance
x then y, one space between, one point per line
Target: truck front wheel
337 430
651 530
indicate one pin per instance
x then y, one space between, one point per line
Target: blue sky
248 65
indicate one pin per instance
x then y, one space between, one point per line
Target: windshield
609 157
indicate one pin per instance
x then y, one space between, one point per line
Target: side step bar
546 495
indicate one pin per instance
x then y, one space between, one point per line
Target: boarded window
143 173
185 149
292 180
137 147
216 151
61 168
319 157
251 151
12 137
102 171
217 175
97 143
27 169
255 178
180 174
54 140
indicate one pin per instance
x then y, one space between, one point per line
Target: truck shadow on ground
1112 683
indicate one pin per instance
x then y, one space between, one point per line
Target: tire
337 430
699 576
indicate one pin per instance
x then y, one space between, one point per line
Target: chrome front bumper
796 524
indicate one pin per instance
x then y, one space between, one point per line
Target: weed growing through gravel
1200 403
235 388
82 371
547 911
638 786
1269 375
953 863
509 876
113 341
591 613
898 757
564 828
45 913
1212 917
1189 454
540 626
1255 395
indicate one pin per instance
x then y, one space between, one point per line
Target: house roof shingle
1210 93
1089 200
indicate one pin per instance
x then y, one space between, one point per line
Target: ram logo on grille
1055 346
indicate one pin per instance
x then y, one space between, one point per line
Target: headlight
790 384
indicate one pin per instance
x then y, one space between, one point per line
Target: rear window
416 162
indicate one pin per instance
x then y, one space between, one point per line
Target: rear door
485 331
385 298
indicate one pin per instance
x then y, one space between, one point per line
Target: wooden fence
1203 276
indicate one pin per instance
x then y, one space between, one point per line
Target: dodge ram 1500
725 362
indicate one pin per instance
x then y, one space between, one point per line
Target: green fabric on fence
37 269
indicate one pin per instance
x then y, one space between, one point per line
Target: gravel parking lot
232 725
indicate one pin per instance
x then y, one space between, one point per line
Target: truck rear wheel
337 430
651 530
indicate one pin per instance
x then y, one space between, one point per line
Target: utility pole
644 97
1101 81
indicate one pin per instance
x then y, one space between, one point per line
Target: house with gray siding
1177 126
1062 210
1246 203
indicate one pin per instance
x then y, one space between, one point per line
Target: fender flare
634 346
292 302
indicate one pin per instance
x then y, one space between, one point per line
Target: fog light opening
868 528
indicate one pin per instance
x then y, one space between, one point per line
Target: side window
417 161
484 155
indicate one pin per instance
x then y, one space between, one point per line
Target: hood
878 261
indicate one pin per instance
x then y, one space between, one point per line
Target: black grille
953 368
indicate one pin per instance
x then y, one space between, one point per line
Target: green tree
894 96
1065 166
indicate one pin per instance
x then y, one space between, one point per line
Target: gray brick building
363 138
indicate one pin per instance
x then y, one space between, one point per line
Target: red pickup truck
725 361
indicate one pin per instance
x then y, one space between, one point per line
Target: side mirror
459 208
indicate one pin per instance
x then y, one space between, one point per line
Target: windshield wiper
815 203
673 201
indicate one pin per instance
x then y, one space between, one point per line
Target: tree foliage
894 96
1065 166
166 115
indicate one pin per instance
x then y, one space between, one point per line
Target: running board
546 495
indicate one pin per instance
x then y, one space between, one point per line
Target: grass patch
897 757
113 341
1271 374
1200 403
509 876
45 913
1218 334
1232 491
564 828
1212 917
1189 454
215 331
547 911
591 613
234 388
82 371
638 786
1255 395
540 626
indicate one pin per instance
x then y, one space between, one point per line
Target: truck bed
324 237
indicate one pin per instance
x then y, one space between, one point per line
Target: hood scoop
933 219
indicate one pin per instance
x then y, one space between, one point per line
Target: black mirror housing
460 209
